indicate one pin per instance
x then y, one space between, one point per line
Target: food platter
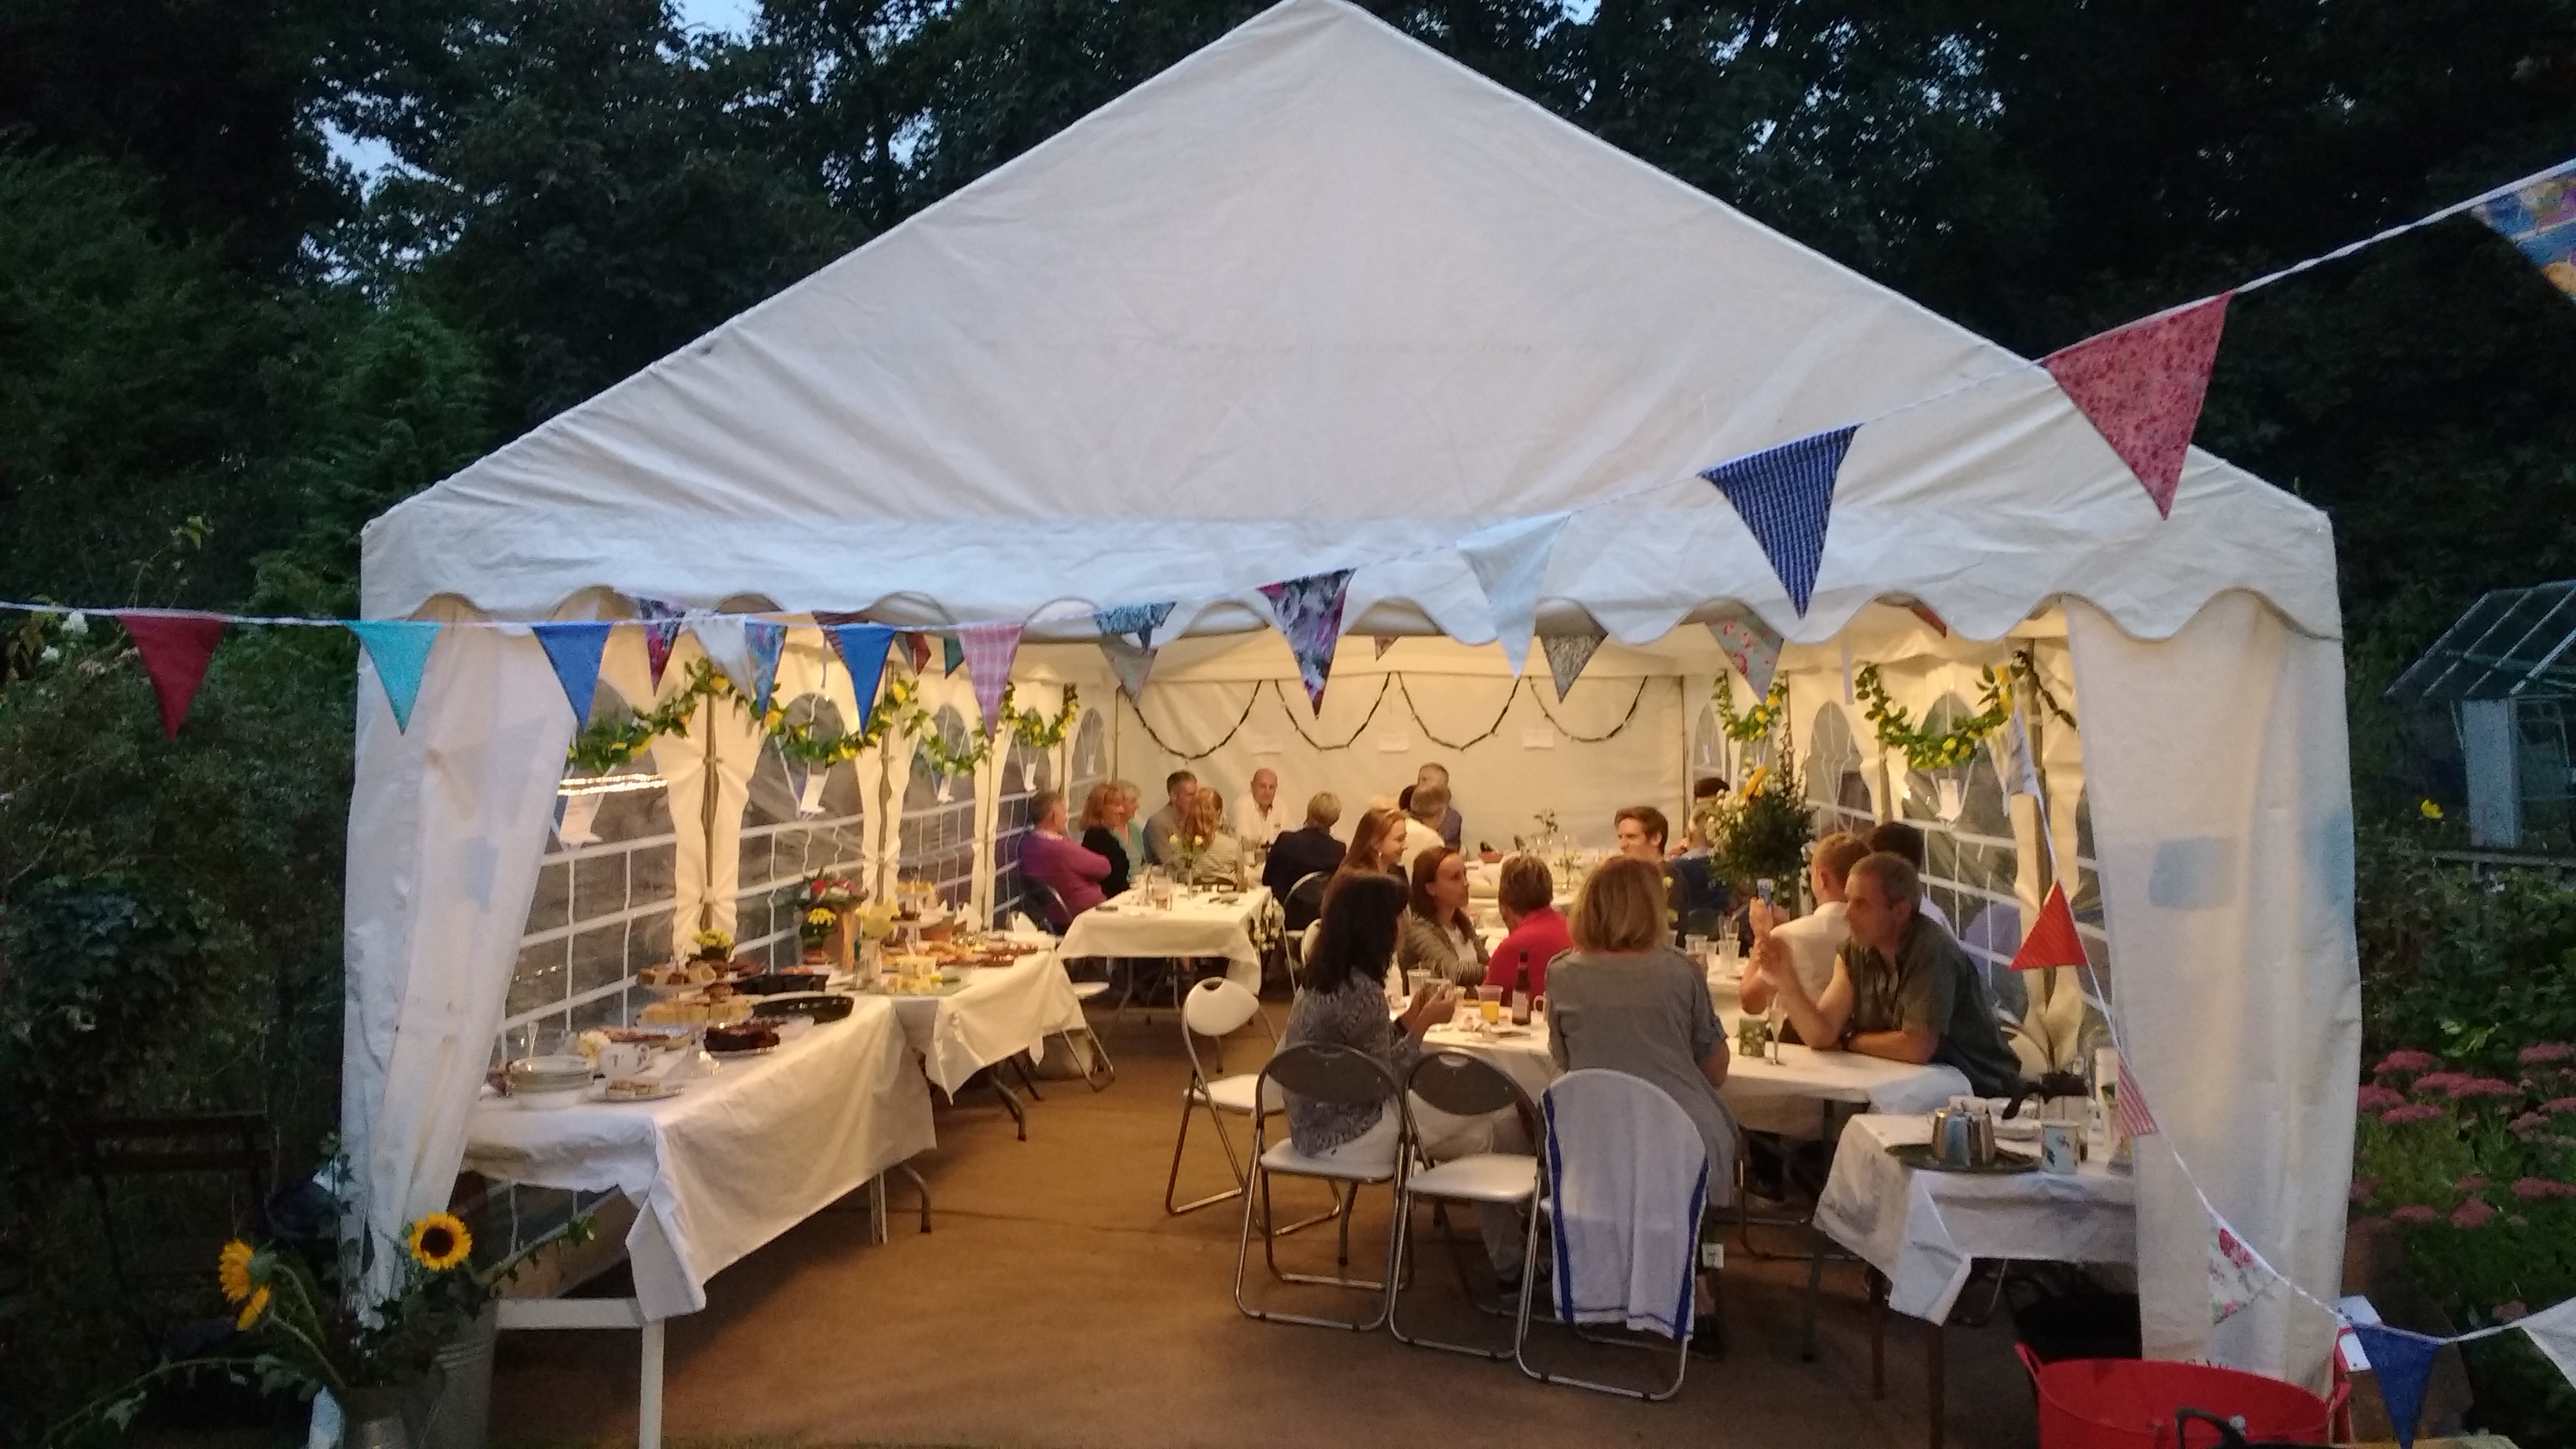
660 1092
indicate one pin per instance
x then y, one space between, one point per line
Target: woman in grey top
1439 936
1624 999
1344 1003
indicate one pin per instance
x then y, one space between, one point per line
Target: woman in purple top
1062 866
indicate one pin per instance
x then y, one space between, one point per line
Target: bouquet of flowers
712 946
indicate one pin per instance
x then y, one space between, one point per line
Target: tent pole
707 824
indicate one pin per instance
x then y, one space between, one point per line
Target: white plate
662 1092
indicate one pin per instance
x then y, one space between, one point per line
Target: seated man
1898 838
1450 826
1257 816
1071 874
1308 850
1164 825
1642 832
1903 989
1810 942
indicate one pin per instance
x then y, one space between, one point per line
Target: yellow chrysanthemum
439 1242
232 1269
252 1310
819 917
2431 810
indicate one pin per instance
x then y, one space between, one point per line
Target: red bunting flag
2135 1120
2053 939
176 649
917 647
2141 388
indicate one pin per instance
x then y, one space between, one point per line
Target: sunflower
439 1242
252 1310
232 1269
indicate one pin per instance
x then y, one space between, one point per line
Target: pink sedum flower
2472 1088
2363 1188
2535 1189
2432 1082
2474 1213
2413 1112
2376 1098
2415 1212
2559 1106
2403 1060
2546 1052
2474 1182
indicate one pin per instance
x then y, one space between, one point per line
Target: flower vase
373 1419
461 1416
841 948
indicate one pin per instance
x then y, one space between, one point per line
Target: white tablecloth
1196 925
1000 1010
1922 1229
733 1161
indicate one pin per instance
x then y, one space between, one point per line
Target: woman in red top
1527 894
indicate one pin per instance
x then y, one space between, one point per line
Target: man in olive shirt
1902 988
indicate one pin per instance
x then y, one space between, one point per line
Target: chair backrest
1045 904
1305 899
1330 1073
1463 1085
1218 1007
1618 1153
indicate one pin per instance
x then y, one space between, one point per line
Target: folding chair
1336 1076
1600 1127
1463 1086
1216 1009
1298 913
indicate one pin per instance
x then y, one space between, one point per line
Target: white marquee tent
1317 298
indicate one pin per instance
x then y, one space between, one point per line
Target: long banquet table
1197 923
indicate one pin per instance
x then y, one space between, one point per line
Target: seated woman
1220 858
1527 896
1375 843
1103 812
1439 936
1073 873
1627 1000
1131 828
1343 1004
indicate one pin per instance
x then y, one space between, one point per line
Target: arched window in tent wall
1708 747
603 905
1025 771
1090 759
1832 774
797 822
1971 858
938 825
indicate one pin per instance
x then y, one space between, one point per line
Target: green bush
2473 967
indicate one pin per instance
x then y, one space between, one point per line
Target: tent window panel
553 906
602 910
2086 903
540 981
796 822
936 836
598 958
1024 773
1090 758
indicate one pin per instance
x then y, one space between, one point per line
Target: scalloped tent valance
1319 298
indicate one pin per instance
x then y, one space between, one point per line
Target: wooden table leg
1936 1379
1877 1335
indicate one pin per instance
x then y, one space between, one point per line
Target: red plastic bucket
2129 1403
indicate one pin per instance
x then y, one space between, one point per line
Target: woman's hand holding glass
1432 1006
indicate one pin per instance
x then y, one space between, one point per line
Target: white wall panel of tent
1317 298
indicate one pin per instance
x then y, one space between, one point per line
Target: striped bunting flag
1785 495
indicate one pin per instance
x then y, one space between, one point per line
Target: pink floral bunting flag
662 623
2141 387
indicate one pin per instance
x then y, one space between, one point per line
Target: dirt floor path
1056 1305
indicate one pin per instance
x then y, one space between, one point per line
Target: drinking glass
1489 1003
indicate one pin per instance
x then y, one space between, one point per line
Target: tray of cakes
715 1004
982 951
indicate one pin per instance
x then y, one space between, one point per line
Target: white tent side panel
2222 819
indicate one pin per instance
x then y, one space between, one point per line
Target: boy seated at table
1903 988
1809 943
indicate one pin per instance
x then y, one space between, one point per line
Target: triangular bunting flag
2236 1276
1384 642
768 643
1130 661
2135 1120
1510 560
662 623
2540 218
862 648
916 647
727 646
2025 759
573 648
2141 387
400 649
1567 654
2053 940
1931 620
2402 1362
176 649
1752 647
1140 620
987 650
1785 494
1309 611
951 654
2553 1332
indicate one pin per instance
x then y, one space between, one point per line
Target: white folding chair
1098 1071
1462 1086
1600 1126
1217 1008
1338 1076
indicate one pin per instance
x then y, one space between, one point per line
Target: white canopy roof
1316 298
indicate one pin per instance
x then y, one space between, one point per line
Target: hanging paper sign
1309 611
1567 654
2236 1276
573 648
862 648
1510 560
2054 941
1750 645
988 650
2141 387
400 650
2402 1362
1785 496
2025 759
2539 217
177 648
662 623
768 643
